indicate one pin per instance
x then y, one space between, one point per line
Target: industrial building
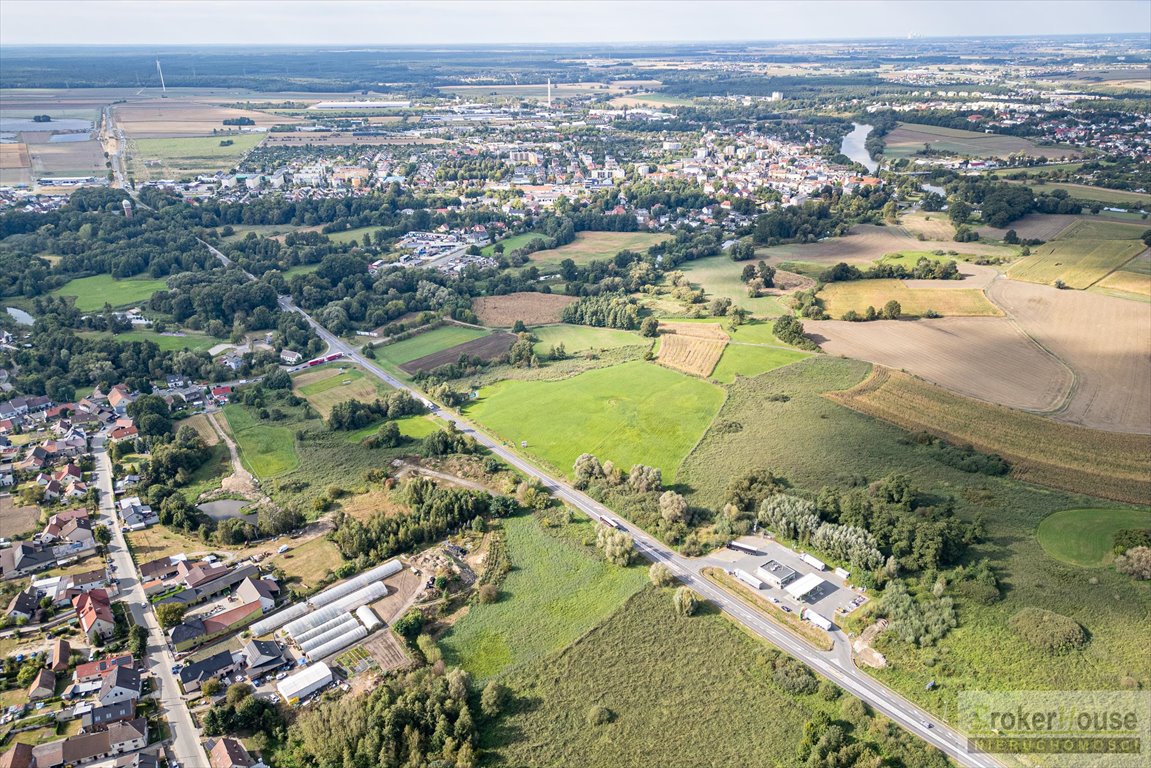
776 574
800 589
305 682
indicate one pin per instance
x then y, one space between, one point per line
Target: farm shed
305 682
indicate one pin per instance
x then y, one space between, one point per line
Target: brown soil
487 348
531 308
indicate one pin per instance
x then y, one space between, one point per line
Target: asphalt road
836 665
185 738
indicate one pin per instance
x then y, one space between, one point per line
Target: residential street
185 737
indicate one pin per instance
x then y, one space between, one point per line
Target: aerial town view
527 384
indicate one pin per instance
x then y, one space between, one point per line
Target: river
853 147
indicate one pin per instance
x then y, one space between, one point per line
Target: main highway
836 665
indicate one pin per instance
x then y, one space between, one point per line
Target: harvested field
530 307
693 348
865 244
933 226
910 138
1077 262
1134 278
15 519
387 652
1105 340
1103 464
173 158
161 118
326 388
985 358
486 348
14 156
1041 226
946 297
203 428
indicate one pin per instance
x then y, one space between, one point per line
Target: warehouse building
304 683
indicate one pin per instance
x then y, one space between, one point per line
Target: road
185 743
836 665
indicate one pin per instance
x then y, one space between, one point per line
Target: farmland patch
490 347
693 348
858 295
530 307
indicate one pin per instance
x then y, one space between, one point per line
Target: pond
853 147
20 316
226 509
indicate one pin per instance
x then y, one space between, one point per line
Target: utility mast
163 88
549 93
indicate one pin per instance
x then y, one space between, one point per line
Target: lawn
151 159
590 246
1079 263
310 562
348 235
511 243
1084 537
167 342
415 427
752 360
265 450
426 343
162 541
92 293
327 387
580 338
682 692
813 442
555 592
838 298
634 413
719 276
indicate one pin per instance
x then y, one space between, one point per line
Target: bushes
686 602
789 330
1136 563
1129 538
604 311
617 547
1048 631
913 621
794 678
660 575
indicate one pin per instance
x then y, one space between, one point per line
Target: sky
457 22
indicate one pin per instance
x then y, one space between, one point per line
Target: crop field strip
946 300
490 347
692 348
530 307
1102 464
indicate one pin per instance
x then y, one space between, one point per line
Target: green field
1084 537
208 475
563 590
326 387
426 343
591 246
1085 192
196 342
634 413
751 360
1095 229
909 138
814 442
152 159
578 338
92 293
415 427
719 276
348 235
300 269
511 243
265 450
1079 263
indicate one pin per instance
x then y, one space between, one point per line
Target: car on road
926 724
785 609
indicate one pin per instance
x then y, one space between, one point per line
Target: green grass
300 269
1086 192
415 427
749 360
513 242
578 338
684 692
814 442
180 157
196 342
428 342
208 475
348 235
92 293
595 246
719 276
634 413
265 450
1084 537
555 592
1077 262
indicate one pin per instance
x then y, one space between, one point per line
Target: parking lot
831 599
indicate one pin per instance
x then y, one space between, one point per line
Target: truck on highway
610 522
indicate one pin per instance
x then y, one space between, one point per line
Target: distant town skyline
460 22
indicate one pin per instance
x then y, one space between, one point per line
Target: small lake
17 124
226 509
934 188
20 316
853 147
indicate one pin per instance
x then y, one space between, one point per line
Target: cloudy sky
367 22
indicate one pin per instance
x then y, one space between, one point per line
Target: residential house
135 514
24 605
54 530
101 717
22 559
121 684
290 357
59 655
88 580
119 398
195 632
19 756
120 434
263 591
97 670
95 611
229 753
261 656
138 760
214 667
83 748
43 686
164 568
